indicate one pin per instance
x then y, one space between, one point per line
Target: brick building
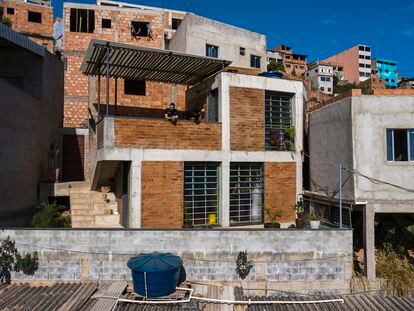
294 63
222 171
34 20
113 21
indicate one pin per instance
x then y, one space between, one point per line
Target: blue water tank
155 274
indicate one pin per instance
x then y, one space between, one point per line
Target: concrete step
77 218
87 212
107 220
83 224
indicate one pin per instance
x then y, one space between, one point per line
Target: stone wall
280 189
162 134
247 119
162 194
300 260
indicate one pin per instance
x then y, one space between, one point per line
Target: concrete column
225 193
134 217
369 241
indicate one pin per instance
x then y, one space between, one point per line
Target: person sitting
171 114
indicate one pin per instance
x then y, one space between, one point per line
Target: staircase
92 209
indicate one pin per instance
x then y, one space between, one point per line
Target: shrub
51 216
243 265
6 21
12 260
396 271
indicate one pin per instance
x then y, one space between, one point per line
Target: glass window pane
400 145
411 133
390 156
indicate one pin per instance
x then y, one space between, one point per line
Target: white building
321 77
206 37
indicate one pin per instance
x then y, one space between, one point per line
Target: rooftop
141 63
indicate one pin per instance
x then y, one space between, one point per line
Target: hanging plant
243 266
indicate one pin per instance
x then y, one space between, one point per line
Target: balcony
150 133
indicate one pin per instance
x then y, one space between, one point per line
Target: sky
317 28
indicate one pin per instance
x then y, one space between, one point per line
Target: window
201 193
302 67
34 17
368 74
362 74
176 23
278 118
287 56
362 65
212 109
367 57
361 56
106 23
288 66
367 49
361 48
243 52
10 11
135 87
140 29
323 79
367 66
322 89
212 50
400 145
255 61
328 79
329 89
246 193
82 20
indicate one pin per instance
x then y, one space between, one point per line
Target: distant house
31 88
386 70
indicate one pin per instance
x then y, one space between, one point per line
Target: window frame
175 23
253 61
410 145
244 178
77 27
242 52
10 11
212 48
212 170
104 21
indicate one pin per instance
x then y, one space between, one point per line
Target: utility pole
340 196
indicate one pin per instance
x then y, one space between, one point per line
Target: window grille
278 118
201 193
246 193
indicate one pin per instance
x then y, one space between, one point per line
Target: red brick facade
280 189
162 134
246 119
162 194
39 32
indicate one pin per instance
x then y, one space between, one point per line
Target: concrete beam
369 242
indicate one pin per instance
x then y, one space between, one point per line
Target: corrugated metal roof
20 40
142 63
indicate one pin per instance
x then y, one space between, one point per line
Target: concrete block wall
300 260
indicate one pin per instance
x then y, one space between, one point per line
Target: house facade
33 19
206 37
386 69
321 76
356 62
372 137
31 88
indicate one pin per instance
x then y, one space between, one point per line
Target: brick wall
75 114
280 189
38 32
162 194
162 134
246 119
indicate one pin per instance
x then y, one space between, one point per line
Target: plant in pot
289 139
314 221
187 218
301 218
273 214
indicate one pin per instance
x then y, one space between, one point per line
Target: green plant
313 217
12 260
274 65
51 216
6 21
243 265
273 214
290 133
288 145
299 206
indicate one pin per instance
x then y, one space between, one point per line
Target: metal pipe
340 196
107 78
99 94
116 96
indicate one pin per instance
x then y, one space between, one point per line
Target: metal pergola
124 61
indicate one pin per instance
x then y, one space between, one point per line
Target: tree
275 66
12 260
6 21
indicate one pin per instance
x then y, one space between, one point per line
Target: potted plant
314 221
289 139
301 218
187 219
273 214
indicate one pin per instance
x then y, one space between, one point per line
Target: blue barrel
155 274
